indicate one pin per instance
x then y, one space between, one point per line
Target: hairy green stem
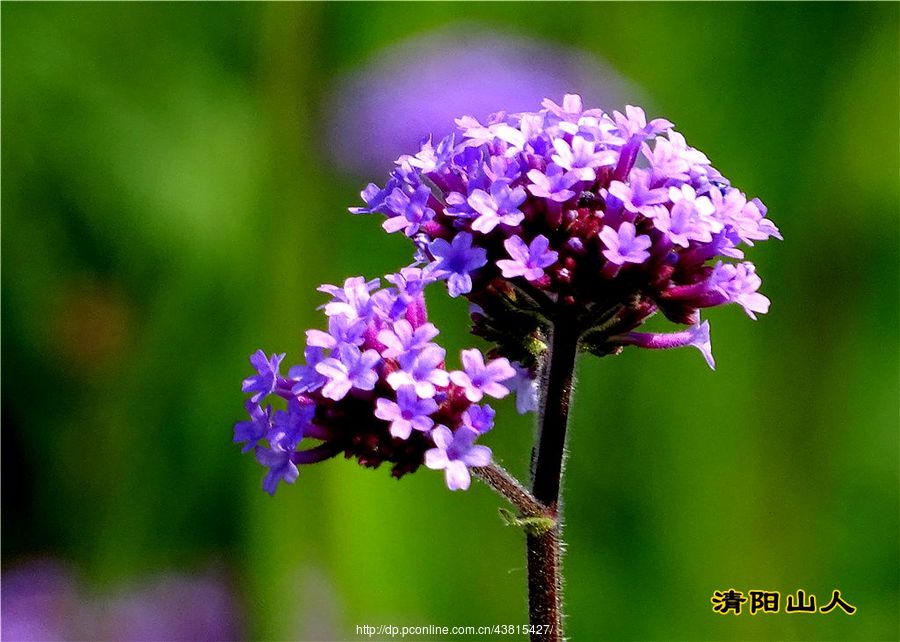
544 549
540 509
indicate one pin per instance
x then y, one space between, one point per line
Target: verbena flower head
374 387
604 218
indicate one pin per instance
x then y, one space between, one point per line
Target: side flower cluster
374 387
606 218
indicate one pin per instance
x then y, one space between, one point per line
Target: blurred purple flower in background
172 606
419 86
39 602
44 599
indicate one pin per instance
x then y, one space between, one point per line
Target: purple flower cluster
374 387
561 218
602 218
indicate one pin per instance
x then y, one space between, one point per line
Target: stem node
531 525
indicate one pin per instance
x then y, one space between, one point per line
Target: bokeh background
175 183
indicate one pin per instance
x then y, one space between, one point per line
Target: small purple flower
526 390
454 453
455 261
251 432
306 377
672 157
403 339
570 110
769 229
739 284
341 329
477 134
697 210
554 185
527 261
532 126
623 246
634 123
479 379
266 379
280 466
509 135
410 212
500 206
370 427
354 369
479 418
503 169
409 281
679 224
408 413
636 196
766 227
288 426
409 284
458 206
581 158
697 336
374 197
473 131
422 371
430 157
352 300
746 219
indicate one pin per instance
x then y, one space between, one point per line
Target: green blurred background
167 209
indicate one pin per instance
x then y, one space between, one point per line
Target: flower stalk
544 550
509 487
556 394
544 544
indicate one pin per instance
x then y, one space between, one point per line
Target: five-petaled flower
352 368
625 245
407 413
479 379
527 260
500 206
456 260
454 453
263 382
414 210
